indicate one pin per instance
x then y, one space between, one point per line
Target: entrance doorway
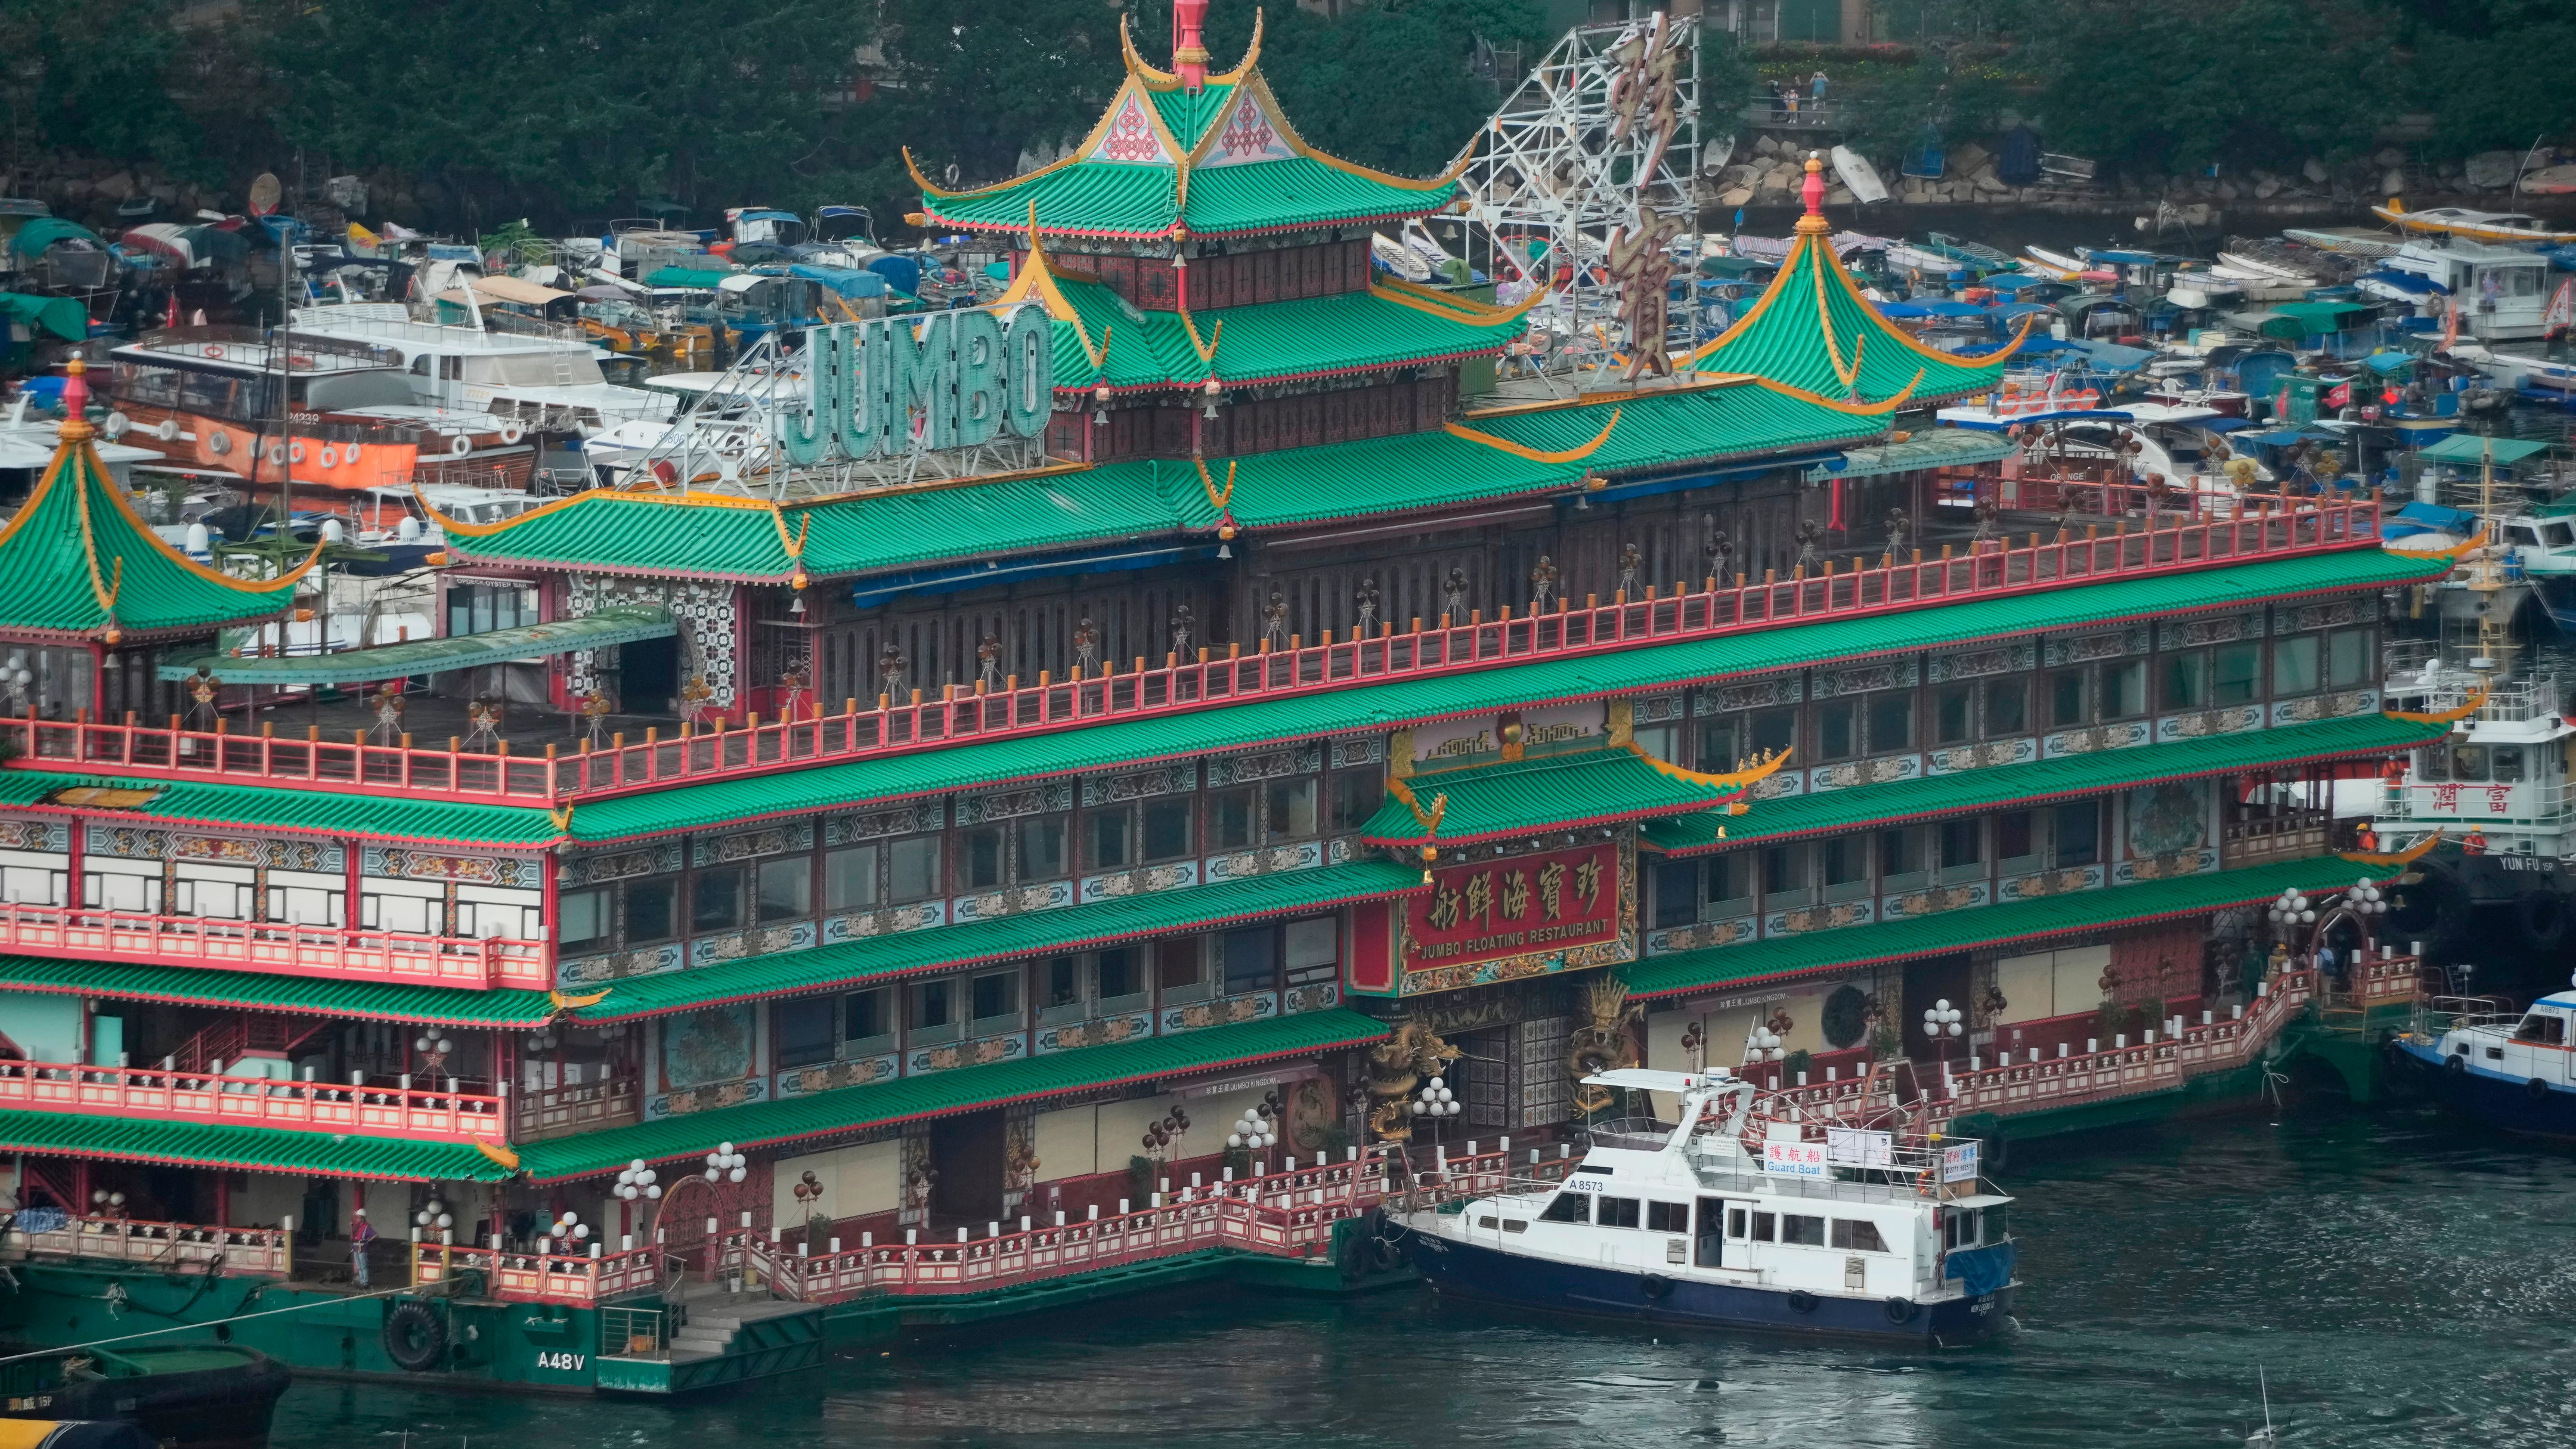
968 1152
648 676
1927 982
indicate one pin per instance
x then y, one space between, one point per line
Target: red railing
340 952
541 1277
172 1247
2177 539
397 1111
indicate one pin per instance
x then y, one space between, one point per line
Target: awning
684 277
62 316
621 625
505 289
1937 448
2389 363
2471 448
868 593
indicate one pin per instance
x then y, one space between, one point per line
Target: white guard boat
1718 1223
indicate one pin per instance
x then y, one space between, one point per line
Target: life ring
219 444
1900 1309
277 452
2543 919
511 432
295 451
1656 1286
167 430
116 425
330 456
1802 1301
1923 1183
211 350
459 446
2536 1089
415 1337
352 455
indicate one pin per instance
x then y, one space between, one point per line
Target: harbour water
2402 1279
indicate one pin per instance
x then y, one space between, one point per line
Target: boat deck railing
1270 668
168 1247
2437 1015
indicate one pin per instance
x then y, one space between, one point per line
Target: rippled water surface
2404 1281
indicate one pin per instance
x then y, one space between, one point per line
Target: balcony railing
2176 539
541 1277
563 1111
339 952
396 1111
171 1247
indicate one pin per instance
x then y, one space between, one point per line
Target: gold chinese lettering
1551 890
1516 895
1444 909
1587 884
1480 897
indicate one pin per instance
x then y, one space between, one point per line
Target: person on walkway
361 1233
1779 101
1818 81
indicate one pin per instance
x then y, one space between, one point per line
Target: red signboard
1503 918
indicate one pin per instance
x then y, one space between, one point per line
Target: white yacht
1712 1223
548 383
2503 292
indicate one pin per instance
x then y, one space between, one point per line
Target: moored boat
2493 227
2510 1069
183 1396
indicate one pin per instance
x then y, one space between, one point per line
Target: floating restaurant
895 899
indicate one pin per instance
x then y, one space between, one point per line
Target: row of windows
1856 1235
1899 721
1032 850
1902 858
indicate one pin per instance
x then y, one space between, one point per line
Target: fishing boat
1976 254
2503 291
197 1396
2351 241
2510 1069
2497 228
1723 1219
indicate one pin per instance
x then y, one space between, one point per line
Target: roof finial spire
1189 43
1812 191
76 427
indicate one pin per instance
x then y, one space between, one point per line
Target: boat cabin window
2523 534
2558 535
566 368
1960 1229
2506 762
1807 1231
1616 1212
2469 764
378 389
2543 1027
1668 1217
1765 1226
1568 1207
1858 1237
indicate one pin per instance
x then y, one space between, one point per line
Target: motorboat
548 383
2498 228
2345 240
2502 292
1731 1217
2510 1069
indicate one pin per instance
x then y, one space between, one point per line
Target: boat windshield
569 367
1634 1134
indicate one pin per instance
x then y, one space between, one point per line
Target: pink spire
1189 43
76 426
1812 191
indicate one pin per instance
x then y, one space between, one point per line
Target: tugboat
186 1396
2511 1069
1702 1224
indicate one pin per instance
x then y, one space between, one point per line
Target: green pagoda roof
264 1149
1164 160
259 991
1813 330
76 560
1551 792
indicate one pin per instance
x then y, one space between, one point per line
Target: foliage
1845 1017
1797 1062
1141 1178
2493 72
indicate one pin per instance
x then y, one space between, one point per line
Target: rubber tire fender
2536 1089
1802 1301
1656 1286
1901 1309
415 1337
2457 1063
2542 918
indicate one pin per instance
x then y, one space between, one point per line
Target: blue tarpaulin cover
1984 1270
2432 517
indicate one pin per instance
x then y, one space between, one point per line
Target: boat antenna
2267 1435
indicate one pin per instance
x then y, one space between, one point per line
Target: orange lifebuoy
211 350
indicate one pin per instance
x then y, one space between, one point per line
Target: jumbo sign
938 380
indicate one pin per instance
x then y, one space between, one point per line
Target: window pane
1105 832
1718 750
1179 964
803 1029
1616 1212
864 1014
979 858
2235 676
1042 854
1230 820
912 868
1313 942
1962 843
2007 707
2294 665
2508 764
1062 982
1858 1237
2187 681
652 910
1167 828
1846 859
1797 1229
2066 697
1729 877
1834 731
1775 730
1113 974
1891 723
715 900
2124 693
850 878
1668 1217
2078 826
1292 809
1899 851
2348 659
1662 742
1676 893
1953 714
1568 1207
582 918
786 888
2012 834
930 1002
1251 960
1356 795
997 994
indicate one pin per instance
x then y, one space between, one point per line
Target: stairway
726 1337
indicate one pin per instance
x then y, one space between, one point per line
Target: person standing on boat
361 1233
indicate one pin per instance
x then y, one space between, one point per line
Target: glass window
1104 838
1784 868
1719 746
785 888
1774 729
1668 1217
2469 764
850 878
1899 851
2187 681
1662 742
652 910
1954 714
1795 1228
1167 828
933 1003
1676 893
912 868
2066 697
980 858
1891 723
1042 855
2124 690
1114 975
2012 835
1178 964
867 1018
1616 1212
1846 859
1251 960
2007 707
2434 763
2235 674
1963 843
2294 666
1837 730
581 920
2347 658
2077 826
1356 795
1765 1225
996 996
2507 761
1858 1237
803 1031
1730 879
1311 949
1060 983
1568 1207
1230 819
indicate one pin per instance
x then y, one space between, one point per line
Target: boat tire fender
2543 919
2536 1089
1802 1301
295 452
511 432
459 446
1657 1286
415 1337
167 430
220 444
1900 1309
2457 1063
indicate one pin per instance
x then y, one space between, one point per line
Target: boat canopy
846 281
2471 448
62 316
2421 517
684 277
2390 363
30 240
622 624
1932 448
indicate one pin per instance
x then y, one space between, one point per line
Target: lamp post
1943 1022
1762 1044
1436 1103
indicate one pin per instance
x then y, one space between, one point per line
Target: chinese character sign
1793 1159
1516 906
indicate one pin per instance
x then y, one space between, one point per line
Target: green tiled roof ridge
1029 933
2038 781
1813 330
1546 792
959 1090
1259 341
365 814
262 991
224 1145
1971 927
